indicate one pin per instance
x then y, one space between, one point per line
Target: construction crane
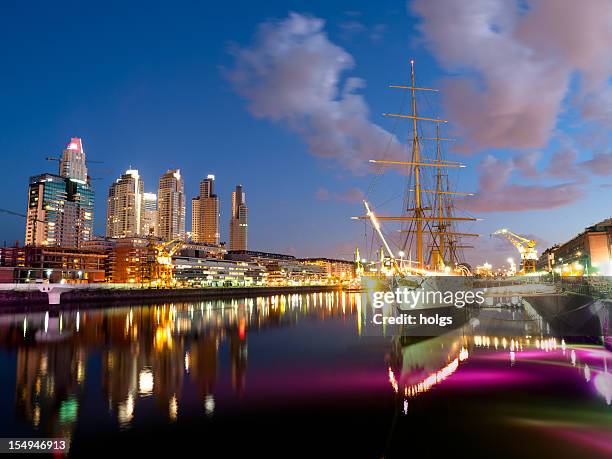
55 158
17 214
159 262
526 248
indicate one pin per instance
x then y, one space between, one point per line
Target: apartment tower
125 206
238 220
206 221
150 220
171 205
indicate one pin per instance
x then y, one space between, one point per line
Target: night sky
286 98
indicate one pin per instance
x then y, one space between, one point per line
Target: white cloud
293 73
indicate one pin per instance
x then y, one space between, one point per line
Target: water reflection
146 352
416 364
173 361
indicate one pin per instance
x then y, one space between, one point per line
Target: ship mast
418 210
441 223
417 162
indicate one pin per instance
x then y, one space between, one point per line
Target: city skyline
130 210
547 158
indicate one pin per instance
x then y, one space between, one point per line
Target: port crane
159 261
526 248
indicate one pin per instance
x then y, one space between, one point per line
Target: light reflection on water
162 363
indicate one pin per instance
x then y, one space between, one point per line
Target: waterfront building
294 272
171 205
214 272
206 220
56 264
130 261
590 252
238 220
260 257
12 256
201 250
150 220
338 269
61 207
546 262
125 206
484 270
283 269
104 244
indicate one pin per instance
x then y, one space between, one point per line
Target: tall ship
428 247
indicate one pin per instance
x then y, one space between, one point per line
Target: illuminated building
484 270
129 261
201 250
57 264
546 262
195 218
340 269
206 220
60 207
211 272
294 272
263 258
590 252
150 218
72 163
12 256
125 206
283 269
171 205
238 221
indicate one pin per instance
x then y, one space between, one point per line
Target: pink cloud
351 195
496 193
527 163
515 64
563 163
599 164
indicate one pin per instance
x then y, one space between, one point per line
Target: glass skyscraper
61 207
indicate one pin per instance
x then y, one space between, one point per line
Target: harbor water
296 374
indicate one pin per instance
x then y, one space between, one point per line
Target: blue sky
148 85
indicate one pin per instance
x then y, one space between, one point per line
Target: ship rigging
428 219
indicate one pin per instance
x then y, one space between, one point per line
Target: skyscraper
195 219
171 205
125 210
150 220
238 220
72 162
60 207
207 219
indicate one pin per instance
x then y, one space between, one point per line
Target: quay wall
12 300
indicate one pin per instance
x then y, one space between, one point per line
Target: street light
512 265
